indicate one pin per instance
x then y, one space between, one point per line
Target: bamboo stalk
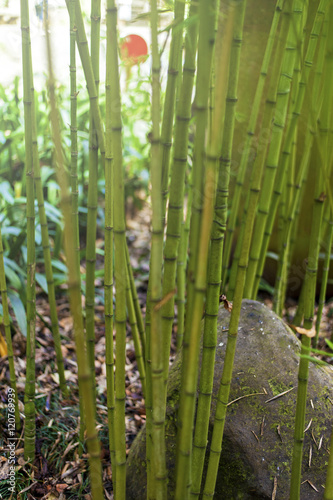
92 194
311 269
203 200
326 266
181 272
135 335
82 45
157 379
328 494
177 186
316 105
286 150
170 93
84 374
278 127
136 305
6 323
253 121
74 176
226 82
264 136
109 255
29 396
120 249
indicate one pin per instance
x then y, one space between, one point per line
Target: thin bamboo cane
29 396
326 267
135 335
227 46
74 176
45 240
203 199
264 134
120 252
82 45
170 94
279 123
175 213
6 323
157 378
181 272
316 105
84 375
109 254
200 107
92 194
246 156
73 112
223 395
264 233
281 274
311 269
177 186
328 494
136 304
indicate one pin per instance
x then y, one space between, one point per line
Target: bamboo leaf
19 311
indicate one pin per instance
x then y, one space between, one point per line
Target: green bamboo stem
188 390
272 162
170 94
199 245
224 390
137 309
326 266
149 403
29 396
108 256
260 161
246 156
82 45
308 141
328 494
74 176
264 136
120 252
84 374
311 269
135 335
73 112
200 107
92 195
181 272
157 376
6 323
175 214
177 186
281 274
227 46
264 234
45 240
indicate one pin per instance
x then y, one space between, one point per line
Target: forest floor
60 470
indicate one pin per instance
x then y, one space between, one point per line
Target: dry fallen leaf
303 331
227 304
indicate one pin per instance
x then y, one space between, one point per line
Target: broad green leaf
19 312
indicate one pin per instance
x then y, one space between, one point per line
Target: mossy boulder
258 438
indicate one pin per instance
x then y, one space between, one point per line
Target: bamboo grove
214 212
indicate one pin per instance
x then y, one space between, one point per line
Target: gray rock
253 451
